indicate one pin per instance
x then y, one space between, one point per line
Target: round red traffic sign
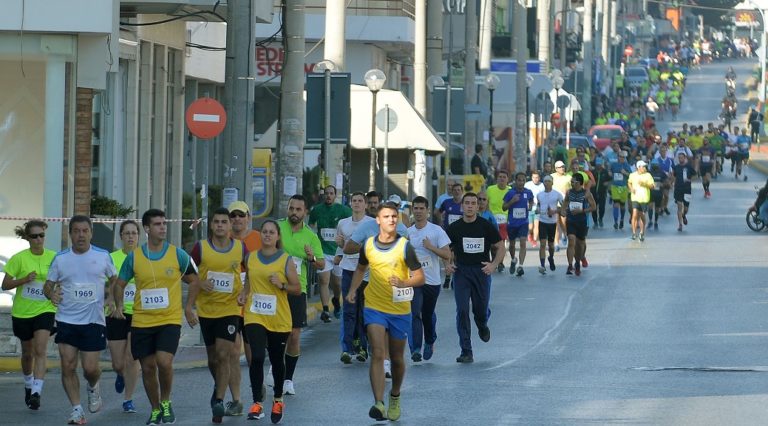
206 118
629 50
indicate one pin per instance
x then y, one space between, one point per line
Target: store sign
269 63
746 18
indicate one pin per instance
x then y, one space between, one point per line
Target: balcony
191 8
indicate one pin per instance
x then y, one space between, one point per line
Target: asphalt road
670 331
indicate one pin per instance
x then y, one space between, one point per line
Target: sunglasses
36 236
237 214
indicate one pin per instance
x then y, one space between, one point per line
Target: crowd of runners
380 272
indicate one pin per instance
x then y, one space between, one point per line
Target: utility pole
292 111
238 97
420 58
434 67
334 50
542 14
564 36
605 44
588 55
470 88
521 119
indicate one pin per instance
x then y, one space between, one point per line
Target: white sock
37 386
28 381
77 407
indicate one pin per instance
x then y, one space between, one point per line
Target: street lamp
436 81
375 80
326 66
491 82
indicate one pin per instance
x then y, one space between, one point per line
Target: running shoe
569 271
655 226
621 225
666 211
346 358
429 350
27 395
167 409
615 225
642 237
500 268
325 317
520 271
377 411
680 228
119 383
362 355
256 411
485 333
601 224
416 356
77 417
234 408
337 313
584 263
34 401
577 270
278 406
387 369
128 406
745 178
288 388
94 399
634 236
393 411
685 220
512 265
551 260
155 418
465 358
217 411
542 270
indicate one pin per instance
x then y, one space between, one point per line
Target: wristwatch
313 260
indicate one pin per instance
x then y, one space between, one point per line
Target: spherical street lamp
375 80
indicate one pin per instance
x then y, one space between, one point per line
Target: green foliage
189 236
105 206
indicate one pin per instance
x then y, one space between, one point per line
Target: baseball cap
641 163
239 206
548 178
559 163
623 153
394 198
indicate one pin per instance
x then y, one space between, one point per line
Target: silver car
635 76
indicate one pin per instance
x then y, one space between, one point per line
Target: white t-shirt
549 200
535 189
82 278
346 227
430 262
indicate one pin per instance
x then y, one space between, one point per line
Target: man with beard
301 243
325 217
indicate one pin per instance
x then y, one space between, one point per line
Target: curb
187 357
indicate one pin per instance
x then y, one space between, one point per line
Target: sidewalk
758 159
191 352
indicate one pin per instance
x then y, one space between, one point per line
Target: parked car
635 76
605 134
647 62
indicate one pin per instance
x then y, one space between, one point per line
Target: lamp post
375 80
437 81
491 82
326 67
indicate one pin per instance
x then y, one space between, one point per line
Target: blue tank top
577 197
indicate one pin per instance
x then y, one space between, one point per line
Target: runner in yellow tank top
158 268
394 271
271 278
220 259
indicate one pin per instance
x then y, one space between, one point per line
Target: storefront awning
411 132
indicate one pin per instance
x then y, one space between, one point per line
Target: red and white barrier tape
194 222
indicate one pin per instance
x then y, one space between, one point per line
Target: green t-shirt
29 300
118 257
326 217
293 244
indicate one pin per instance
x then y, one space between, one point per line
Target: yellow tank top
158 289
266 304
223 268
379 294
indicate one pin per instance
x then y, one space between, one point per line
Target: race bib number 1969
84 293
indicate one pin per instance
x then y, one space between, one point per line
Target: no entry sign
206 118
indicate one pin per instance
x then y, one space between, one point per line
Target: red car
605 134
